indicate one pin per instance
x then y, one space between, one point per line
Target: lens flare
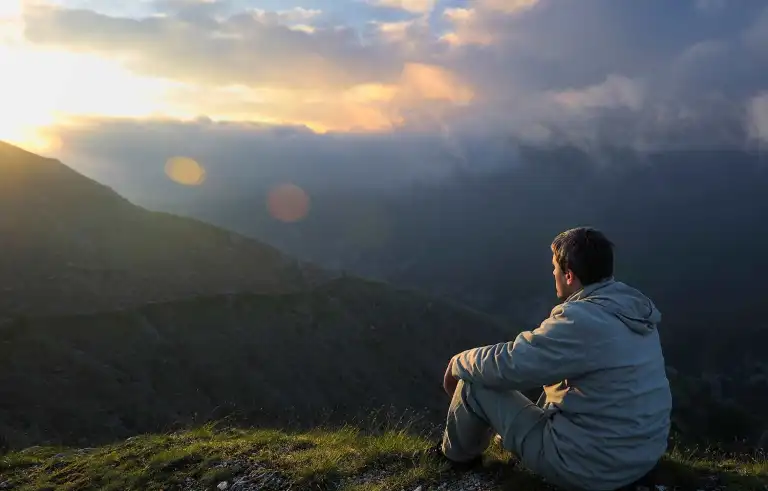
185 170
288 203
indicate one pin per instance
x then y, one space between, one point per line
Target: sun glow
43 87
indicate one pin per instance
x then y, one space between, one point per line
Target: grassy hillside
326 354
72 245
346 459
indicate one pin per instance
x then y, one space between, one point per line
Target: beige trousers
477 413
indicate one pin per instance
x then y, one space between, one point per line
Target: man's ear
570 277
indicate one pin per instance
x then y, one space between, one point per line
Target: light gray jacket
600 361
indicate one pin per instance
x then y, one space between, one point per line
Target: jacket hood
633 308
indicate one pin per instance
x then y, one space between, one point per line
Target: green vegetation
335 352
345 459
203 458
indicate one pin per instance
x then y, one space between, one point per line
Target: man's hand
449 381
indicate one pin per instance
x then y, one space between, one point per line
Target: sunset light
44 87
55 72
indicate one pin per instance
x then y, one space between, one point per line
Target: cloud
538 70
615 92
506 6
421 81
247 158
249 48
756 36
479 24
413 6
758 117
467 28
10 21
710 6
403 32
420 90
284 17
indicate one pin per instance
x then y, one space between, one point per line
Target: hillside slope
115 320
336 352
71 245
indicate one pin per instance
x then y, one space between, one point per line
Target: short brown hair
585 251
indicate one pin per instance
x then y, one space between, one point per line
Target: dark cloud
130 155
650 73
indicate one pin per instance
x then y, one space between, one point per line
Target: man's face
562 286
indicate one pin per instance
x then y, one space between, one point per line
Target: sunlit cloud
475 25
363 107
424 81
401 31
467 28
414 6
42 87
506 6
533 69
252 48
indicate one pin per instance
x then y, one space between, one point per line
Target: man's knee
508 412
475 397
467 431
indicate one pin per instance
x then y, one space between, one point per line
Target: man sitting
604 418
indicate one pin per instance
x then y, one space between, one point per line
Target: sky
77 74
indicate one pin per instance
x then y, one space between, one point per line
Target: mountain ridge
71 244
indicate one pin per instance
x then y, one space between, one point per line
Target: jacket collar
589 290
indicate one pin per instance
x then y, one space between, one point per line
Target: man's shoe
436 452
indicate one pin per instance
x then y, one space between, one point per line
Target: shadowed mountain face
72 245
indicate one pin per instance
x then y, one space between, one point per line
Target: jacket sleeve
555 351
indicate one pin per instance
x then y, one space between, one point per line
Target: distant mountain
70 245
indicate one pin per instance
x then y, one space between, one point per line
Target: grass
345 459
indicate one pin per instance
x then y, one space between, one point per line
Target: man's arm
556 350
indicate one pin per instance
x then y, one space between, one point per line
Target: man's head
580 257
